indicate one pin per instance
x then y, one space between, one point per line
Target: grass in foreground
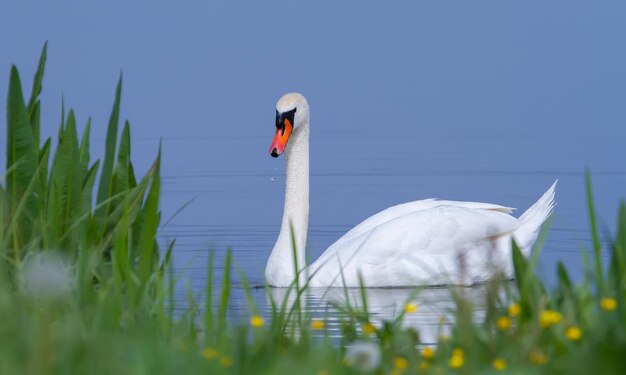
82 288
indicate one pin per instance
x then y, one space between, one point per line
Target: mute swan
425 242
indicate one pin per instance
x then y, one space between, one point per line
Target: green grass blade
223 307
53 194
104 189
130 202
87 190
168 256
84 148
618 256
148 234
132 180
20 148
520 266
178 211
34 106
62 125
17 215
363 294
597 246
44 157
35 120
564 280
37 79
208 295
67 174
122 264
533 259
298 302
245 285
121 171
19 139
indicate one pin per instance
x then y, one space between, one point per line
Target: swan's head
292 110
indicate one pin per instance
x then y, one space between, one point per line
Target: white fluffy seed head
47 275
363 355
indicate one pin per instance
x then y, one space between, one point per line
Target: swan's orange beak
281 137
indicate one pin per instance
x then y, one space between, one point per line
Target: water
242 209
408 101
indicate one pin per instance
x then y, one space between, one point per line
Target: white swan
426 242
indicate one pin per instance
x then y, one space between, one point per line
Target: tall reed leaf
84 148
121 173
208 295
87 191
618 257
44 158
147 242
104 189
68 176
221 315
597 246
34 106
21 159
528 286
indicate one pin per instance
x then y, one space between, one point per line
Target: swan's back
421 242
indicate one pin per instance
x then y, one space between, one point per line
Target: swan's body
426 242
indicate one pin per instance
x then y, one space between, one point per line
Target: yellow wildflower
499 364
400 363
538 357
573 333
209 353
317 324
256 321
369 328
226 361
503 323
424 365
457 359
410 308
514 309
608 304
549 317
428 353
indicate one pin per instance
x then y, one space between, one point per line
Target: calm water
486 101
239 206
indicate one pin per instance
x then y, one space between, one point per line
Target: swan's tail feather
533 218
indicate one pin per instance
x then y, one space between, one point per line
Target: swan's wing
404 209
479 206
420 242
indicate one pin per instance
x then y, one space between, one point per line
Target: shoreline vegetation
86 288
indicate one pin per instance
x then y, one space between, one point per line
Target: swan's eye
283 117
278 122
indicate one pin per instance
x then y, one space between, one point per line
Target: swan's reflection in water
434 317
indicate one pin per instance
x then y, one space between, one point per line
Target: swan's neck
280 270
